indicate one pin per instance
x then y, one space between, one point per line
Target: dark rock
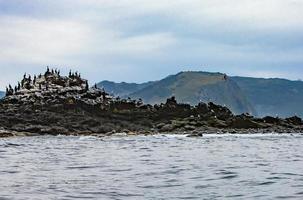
294 120
167 128
171 102
214 122
272 120
195 135
202 108
239 122
189 128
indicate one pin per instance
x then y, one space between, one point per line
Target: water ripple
152 167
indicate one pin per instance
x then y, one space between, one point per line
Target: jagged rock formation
52 89
55 104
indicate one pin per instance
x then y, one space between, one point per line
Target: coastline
194 133
52 104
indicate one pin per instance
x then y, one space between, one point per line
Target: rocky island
65 105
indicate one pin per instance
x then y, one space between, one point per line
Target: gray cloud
135 40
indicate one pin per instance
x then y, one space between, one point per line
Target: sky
142 40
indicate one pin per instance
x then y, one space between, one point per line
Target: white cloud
134 46
266 74
251 13
40 41
35 41
94 34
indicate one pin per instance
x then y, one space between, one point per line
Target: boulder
245 123
195 135
214 122
167 128
189 128
294 120
271 120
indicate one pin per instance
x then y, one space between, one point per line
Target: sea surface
152 167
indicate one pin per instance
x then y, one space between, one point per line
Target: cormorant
86 85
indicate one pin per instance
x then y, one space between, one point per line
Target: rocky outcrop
55 104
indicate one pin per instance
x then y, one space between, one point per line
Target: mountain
273 96
187 87
259 96
2 94
122 89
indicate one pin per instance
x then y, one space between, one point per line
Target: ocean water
152 167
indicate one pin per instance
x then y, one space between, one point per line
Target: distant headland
52 104
258 96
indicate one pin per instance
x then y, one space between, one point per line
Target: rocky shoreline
51 104
195 133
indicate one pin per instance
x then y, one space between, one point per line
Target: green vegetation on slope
241 94
273 96
122 89
193 87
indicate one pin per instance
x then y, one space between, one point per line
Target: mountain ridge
122 89
194 87
2 94
273 96
264 95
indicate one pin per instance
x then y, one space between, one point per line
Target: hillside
194 87
273 96
2 94
122 89
264 96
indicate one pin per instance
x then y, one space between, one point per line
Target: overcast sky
141 40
